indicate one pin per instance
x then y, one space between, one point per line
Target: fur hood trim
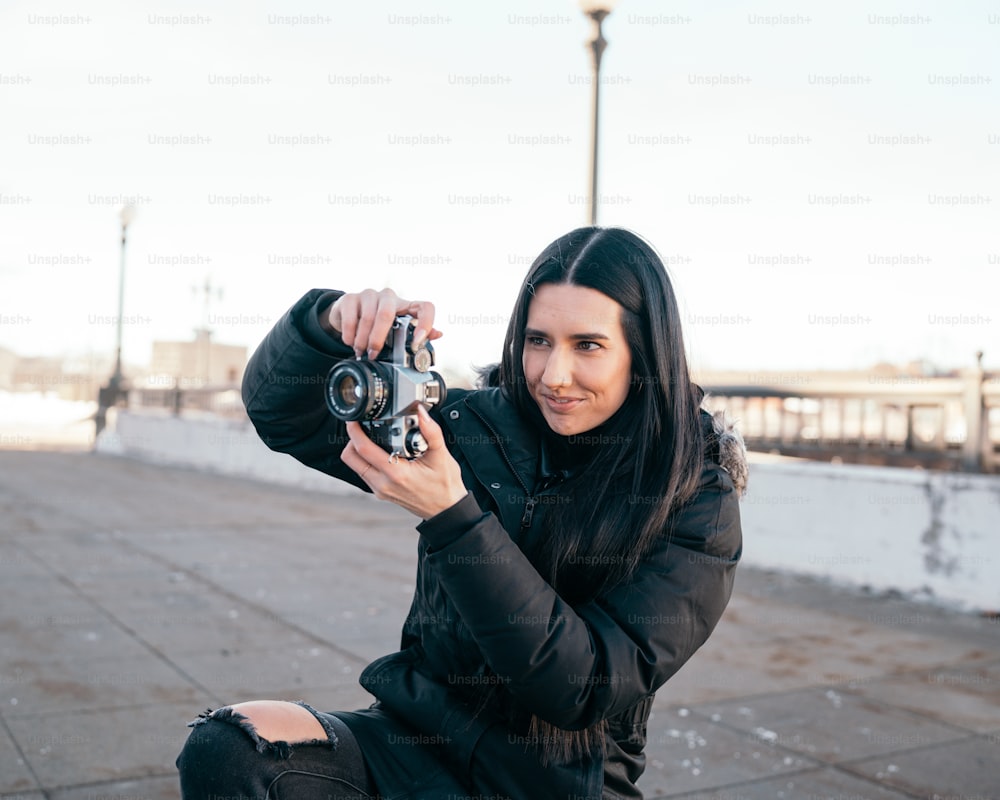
732 451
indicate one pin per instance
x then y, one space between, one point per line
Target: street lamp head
600 8
127 215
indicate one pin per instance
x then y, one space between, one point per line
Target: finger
366 450
355 311
431 431
368 303
343 317
423 312
384 317
350 456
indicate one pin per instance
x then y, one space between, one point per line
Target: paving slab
79 748
79 684
820 784
829 724
16 563
163 788
688 753
967 697
45 632
962 770
15 775
187 621
285 672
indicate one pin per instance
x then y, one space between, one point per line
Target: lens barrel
358 390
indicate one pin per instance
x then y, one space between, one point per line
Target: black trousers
225 759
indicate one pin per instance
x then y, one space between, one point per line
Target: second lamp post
597 11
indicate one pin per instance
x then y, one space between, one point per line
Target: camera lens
357 390
349 391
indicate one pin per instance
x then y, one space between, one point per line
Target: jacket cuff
442 529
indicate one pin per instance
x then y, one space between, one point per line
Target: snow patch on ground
44 421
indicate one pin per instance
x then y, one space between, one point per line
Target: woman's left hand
425 486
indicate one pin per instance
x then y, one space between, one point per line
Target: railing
940 423
220 401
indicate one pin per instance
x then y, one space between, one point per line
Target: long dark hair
650 454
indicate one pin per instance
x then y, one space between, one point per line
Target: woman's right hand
363 319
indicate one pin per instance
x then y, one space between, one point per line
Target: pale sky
821 178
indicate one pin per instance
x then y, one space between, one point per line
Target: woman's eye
536 341
589 346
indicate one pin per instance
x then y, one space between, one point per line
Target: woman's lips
561 405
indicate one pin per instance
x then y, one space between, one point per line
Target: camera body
383 394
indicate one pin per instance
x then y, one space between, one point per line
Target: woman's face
576 359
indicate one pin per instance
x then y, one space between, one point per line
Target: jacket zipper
529 504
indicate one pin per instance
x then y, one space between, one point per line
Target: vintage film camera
383 394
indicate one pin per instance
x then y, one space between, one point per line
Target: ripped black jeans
225 759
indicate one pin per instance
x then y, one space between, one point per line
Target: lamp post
597 10
110 395
127 215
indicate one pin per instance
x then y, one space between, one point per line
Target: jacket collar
517 439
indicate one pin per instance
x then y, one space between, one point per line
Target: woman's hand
425 486
364 319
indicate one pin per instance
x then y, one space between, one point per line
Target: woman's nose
557 370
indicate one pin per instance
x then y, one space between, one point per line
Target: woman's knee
264 726
278 721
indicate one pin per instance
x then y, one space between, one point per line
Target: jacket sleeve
283 388
574 667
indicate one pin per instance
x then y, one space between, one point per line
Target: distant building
8 363
198 363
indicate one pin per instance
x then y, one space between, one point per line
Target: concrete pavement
134 596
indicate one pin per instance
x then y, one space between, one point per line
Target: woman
578 538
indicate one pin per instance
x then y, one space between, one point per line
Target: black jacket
481 612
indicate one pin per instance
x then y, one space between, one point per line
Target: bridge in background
950 423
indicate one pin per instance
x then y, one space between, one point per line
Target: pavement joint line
843 766
79 712
836 687
24 760
66 581
163 561
847 763
920 715
716 790
93 785
748 735
845 769
262 609
966 733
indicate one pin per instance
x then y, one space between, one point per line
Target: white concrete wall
920 532
209 443
925 534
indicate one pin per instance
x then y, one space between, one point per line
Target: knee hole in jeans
278 746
